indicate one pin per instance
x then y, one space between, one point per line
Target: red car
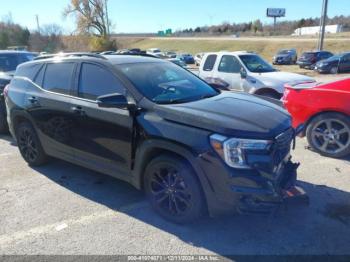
324 109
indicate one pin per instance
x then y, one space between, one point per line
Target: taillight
6 90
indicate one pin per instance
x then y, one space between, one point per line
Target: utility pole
107 18
37 23
323 25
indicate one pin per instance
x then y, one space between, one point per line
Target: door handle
33 99
78 110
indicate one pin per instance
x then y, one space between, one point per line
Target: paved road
64 209
247 39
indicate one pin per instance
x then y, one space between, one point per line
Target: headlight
233 150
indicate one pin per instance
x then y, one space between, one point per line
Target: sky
140 16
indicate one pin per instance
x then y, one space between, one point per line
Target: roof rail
78 54
134 54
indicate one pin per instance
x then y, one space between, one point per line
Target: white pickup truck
247 72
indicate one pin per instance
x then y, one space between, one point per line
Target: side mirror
243 73
113 101
218 83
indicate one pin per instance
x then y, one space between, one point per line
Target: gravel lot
63 209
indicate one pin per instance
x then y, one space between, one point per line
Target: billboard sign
276 12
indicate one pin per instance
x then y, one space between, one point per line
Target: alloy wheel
334 70
170 191
27 145
331 136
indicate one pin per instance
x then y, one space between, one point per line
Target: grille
283 145
285 139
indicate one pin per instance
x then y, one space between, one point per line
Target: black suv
9 60
336 64
157 126
309 59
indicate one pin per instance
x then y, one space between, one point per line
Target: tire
329 135
334 70
173 189
3 123
29 145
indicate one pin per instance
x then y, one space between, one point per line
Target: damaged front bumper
279 191
258 190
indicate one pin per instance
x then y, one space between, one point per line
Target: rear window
58 77
10 61
210 62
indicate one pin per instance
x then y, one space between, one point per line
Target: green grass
264 47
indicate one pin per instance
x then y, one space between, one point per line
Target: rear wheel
173 189
29 145
329 135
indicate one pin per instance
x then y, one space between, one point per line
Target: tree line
91 33
257 27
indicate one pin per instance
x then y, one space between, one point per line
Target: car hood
7 75
231 114
277 80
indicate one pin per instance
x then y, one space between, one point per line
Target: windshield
166 83
284 52
256 64
335 57
9 62
179 62
308 55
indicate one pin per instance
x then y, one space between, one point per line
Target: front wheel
173 189
334 70
329 135
29 145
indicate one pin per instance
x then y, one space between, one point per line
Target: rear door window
58 77
210 62
96 81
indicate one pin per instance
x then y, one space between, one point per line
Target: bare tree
49 39
91 16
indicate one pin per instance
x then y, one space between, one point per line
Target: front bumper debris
282 192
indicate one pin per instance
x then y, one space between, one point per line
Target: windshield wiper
172 101
208 96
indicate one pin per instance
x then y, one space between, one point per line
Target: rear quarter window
209 63
29 71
